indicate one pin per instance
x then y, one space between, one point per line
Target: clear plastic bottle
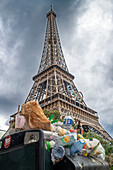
57 153
49 144
65 140
61 131
68 121
77 146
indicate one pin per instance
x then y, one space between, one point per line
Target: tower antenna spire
51 7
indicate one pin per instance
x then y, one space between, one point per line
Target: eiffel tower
53 84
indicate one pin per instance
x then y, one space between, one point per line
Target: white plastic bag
93 143
102 155
97 150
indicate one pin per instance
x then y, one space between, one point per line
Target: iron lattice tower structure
53 84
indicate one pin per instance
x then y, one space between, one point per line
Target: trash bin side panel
89 163
21 149
40 152
48 162
20 159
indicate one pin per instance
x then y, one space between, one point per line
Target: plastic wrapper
35 118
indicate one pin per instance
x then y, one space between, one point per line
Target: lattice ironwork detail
52 51
54 81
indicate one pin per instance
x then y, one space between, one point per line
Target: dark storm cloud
7 104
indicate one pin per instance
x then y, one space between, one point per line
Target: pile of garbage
60 137
66 141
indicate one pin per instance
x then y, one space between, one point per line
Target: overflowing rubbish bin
57 145
25 150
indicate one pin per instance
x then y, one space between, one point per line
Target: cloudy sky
86 33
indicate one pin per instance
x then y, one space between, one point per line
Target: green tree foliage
46 112
56 114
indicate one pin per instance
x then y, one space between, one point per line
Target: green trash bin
25 150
